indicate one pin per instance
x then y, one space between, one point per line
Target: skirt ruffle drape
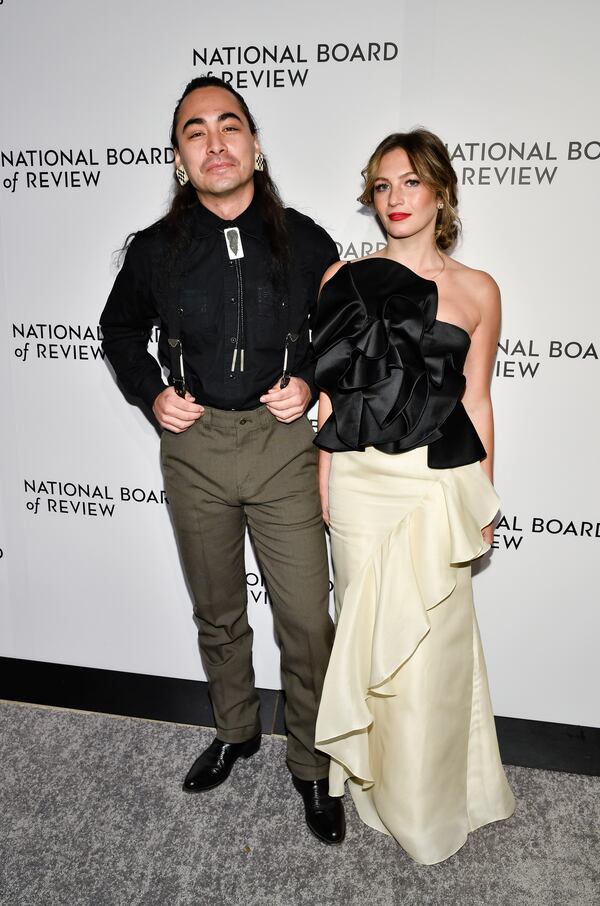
405 713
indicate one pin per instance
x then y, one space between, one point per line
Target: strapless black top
393 372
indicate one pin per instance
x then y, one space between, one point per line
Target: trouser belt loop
207 417
264 416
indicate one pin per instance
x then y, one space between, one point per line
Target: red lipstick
398 215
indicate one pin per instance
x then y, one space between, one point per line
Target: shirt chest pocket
267 305
268 327
197 312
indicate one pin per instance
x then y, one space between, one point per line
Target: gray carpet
92 813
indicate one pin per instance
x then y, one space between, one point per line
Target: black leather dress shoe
214 765
324 813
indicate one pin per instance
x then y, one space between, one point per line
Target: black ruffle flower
393 373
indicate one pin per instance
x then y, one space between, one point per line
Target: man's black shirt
208 305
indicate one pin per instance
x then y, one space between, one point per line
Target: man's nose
215 143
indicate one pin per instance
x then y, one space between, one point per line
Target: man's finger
289 415
183 414
184 406
276 394
171 423
175 425
179 419
180 407
169 400
293 402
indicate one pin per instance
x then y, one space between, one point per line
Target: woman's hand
324 492
487 533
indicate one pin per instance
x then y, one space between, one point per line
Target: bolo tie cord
240 329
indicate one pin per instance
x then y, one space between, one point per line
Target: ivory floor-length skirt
405 713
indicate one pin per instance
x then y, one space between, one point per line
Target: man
232 275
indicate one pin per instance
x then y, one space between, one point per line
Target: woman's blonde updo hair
429 159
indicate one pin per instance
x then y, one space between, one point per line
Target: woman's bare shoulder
477 285
337 265
331 270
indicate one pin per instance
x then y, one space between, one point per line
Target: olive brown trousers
231 470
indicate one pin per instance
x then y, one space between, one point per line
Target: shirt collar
250 221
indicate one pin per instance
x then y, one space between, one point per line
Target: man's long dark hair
271 206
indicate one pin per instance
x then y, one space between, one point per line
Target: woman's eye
411 183
381 187
196 134
230 129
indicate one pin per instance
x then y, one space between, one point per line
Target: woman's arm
479 364
324 411
324 462
478 372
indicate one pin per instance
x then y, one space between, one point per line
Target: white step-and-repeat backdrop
89 572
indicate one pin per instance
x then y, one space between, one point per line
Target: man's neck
228 207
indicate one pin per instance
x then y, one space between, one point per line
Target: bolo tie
235 250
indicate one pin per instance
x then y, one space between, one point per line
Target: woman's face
405 205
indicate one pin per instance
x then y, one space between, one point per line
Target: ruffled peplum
384 614
393 372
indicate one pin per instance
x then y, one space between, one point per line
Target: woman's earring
259 161
181 175
440 205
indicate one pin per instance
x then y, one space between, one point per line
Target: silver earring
259 161
181 175
440 205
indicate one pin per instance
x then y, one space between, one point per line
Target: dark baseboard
127 694
528 743
550 746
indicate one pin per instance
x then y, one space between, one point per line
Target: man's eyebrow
200 121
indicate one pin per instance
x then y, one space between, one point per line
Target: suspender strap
174 324
295 285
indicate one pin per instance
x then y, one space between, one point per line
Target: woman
406 340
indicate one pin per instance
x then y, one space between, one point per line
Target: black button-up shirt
208 308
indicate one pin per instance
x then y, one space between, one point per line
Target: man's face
216 146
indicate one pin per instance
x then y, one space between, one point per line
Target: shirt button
232 339
242 421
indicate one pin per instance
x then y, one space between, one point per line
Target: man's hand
290 403
176 413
